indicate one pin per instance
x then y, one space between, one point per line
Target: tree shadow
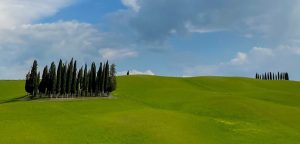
22 98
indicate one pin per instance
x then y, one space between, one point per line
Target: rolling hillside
151 109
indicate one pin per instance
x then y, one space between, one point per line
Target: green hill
151 109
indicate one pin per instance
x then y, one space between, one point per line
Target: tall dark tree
64 79
112 78
93 77
103 79
79 82
287 76
59 77
99 81
266 77
33 79
89 77
45 79
106 78
52 77
127 73
38 80
28 87
74 79
69 77
85 81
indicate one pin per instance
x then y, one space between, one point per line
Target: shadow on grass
22 98
28 98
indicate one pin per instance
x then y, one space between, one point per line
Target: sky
179 38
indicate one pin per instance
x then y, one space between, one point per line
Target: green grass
154 110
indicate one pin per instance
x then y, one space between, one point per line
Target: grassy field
154 110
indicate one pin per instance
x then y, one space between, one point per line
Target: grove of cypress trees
66 81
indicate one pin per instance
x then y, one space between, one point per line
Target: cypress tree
27 84
73 85
52 77
106 84
99 80
78 82
38 80
266 77
69 77
260 77
103 79
113 80
89 78
85 81
33 79
59 77
64 79
93 78
44 82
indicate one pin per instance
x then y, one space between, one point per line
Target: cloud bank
258 60
18 12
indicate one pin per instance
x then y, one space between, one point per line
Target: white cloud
132 4
157 20
18 12
53 41
136 72
282 58
113 54
241 58
262 51
193 29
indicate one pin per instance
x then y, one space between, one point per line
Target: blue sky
161 37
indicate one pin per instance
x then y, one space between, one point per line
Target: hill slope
150 109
